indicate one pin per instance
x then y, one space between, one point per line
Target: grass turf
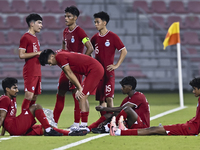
159 102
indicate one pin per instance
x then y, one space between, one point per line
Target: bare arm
121 59
24 55
63 45
89 47
2 117
109 109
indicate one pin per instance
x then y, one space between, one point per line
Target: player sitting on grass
134 108
24 123
191 127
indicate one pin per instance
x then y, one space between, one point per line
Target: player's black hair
195 82
33 17
44 55
8 83
73 10
102 15
129 80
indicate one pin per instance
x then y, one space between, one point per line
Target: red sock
84 116
95 124
77 110
25 104
39 114
129 132
60 101
64 132
32 102
122 113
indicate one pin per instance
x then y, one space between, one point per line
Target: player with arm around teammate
29 49
24 124
74 40
134 109
191 127
105 43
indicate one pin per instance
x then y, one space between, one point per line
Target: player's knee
61 92
127 109
37 106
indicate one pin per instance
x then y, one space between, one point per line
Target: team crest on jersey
33 88
107 43
72 39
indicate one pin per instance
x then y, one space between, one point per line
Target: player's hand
39 52
79 94
111 67
99 108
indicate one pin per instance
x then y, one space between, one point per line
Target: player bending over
134 108
191 127
24 124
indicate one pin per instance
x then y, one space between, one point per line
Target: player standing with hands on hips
105 43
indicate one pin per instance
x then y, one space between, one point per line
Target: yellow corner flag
173 35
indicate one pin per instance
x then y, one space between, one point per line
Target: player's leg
84 106
37 111
63 87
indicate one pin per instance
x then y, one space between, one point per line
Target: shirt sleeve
82 34
62 60
4 104
118 44
23 43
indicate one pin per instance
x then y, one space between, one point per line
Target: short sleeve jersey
32 65
141 106
79 63
73 39
105 46
9 105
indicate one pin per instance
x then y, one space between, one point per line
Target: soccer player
105 43
191 127
29 49
134 108
24 123
74 40
71 63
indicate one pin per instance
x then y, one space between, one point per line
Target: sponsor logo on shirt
35 47
107 43
26 113
72 39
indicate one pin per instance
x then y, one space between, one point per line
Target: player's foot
81 127
121 125
49 114
113 126
52 132
99 130
78 133
73 127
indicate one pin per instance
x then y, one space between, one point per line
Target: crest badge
107 43
72 39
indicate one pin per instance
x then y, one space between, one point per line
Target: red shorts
21 124
139 124
64 84
106 86
35 130
92 80
33 84
182 129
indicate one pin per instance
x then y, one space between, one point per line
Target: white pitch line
7 138
102 135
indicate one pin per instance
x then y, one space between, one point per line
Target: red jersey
9 105
31 44
79 63
73 39
141 106
105 46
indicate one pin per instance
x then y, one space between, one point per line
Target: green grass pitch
159 102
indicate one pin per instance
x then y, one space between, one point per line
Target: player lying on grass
191 127
71 63
24 124
134 108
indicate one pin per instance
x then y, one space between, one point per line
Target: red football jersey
105 46
31 44
9 105
73 39
79 63
141 106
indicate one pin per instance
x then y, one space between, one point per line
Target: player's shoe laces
52 132
99 130
113 127
50 118
78 133
121 125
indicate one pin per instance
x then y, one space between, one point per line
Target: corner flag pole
180 80
172 38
